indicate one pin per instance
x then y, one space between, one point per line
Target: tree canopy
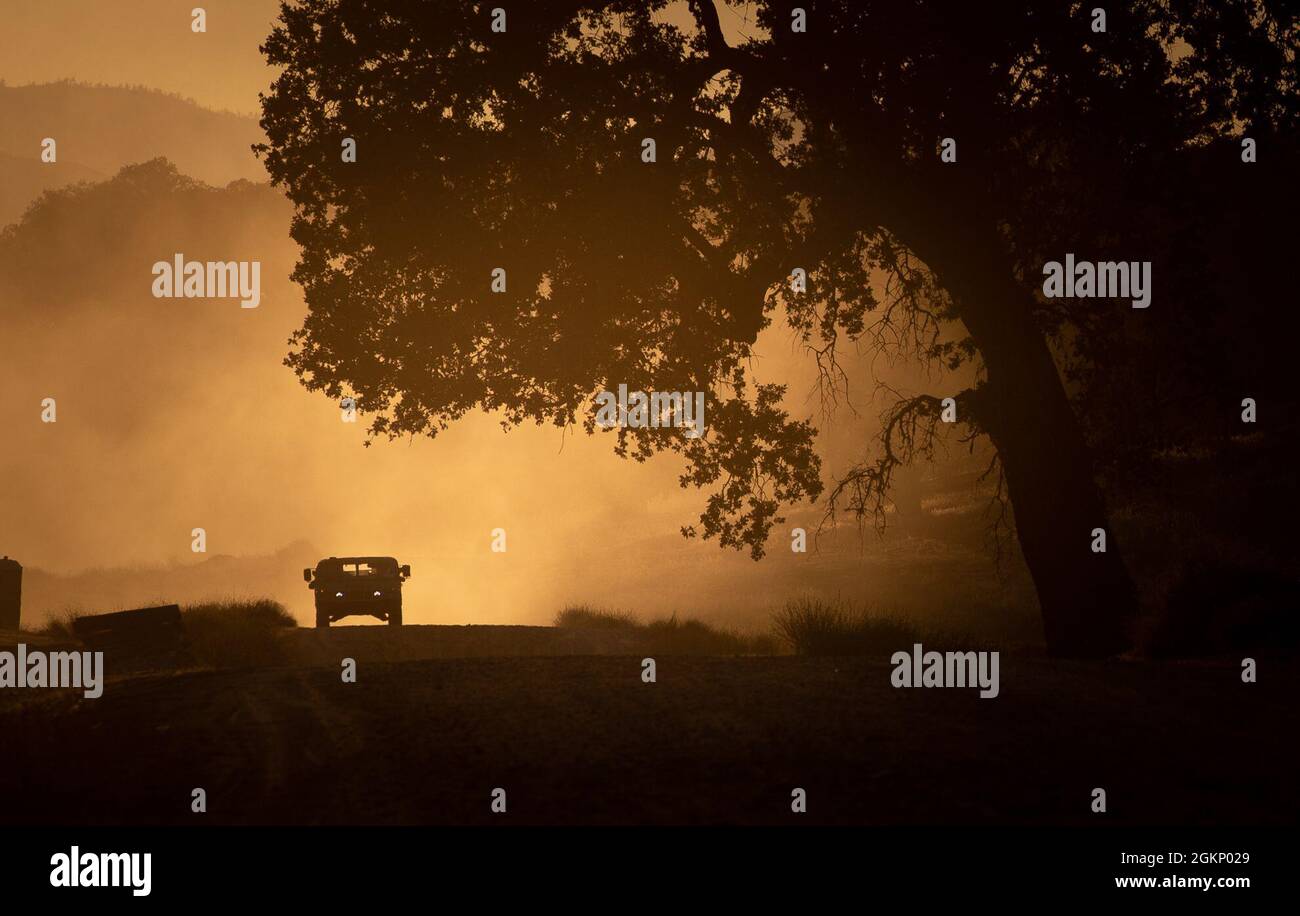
817 149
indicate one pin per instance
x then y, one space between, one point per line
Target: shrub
1218 607
235 634
587 617
811 626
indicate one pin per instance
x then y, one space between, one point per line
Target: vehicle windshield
374 567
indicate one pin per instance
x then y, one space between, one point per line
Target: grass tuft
586 617
811 626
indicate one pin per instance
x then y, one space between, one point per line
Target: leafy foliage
522 150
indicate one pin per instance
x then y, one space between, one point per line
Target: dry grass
218 634
670 635
59 626
811 626
583 616
235 634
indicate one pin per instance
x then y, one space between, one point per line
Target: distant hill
99 129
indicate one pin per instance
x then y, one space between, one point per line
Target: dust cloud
175 414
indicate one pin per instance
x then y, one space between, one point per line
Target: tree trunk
1087 599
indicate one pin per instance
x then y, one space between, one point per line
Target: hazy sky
142 42
227 439
152 45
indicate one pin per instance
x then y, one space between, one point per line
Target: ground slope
716 740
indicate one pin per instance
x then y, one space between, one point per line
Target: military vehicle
348 586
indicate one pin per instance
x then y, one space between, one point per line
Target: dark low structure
145 637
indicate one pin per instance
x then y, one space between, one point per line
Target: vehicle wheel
395 617
322 618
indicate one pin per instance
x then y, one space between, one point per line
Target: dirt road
581 739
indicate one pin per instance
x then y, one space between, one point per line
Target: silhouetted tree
817 149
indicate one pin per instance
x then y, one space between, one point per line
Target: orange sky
260 462
142 42
151 45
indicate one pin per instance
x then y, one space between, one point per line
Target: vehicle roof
331 560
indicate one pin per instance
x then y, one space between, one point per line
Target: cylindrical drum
11 593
